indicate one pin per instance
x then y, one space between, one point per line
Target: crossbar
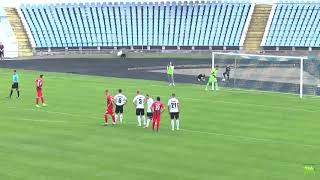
261 55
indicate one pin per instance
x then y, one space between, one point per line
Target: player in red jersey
157 108
39 84
109 110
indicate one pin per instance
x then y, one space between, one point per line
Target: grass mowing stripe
187 130
231 102
80 77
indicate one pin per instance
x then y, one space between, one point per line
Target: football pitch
225 135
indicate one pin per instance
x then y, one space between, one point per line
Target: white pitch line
247 91
186 130
199 85
259 105
51 112
39 120
49 121
248 104
293 95
242 103
250 138
163 67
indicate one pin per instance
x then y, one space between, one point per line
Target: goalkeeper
213 79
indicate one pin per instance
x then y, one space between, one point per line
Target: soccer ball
223 79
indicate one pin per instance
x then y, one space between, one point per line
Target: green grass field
228 135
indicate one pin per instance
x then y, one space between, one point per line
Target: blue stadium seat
162 23
294 24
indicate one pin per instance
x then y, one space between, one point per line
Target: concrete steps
24 45
257 27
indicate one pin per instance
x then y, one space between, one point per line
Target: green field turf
228 135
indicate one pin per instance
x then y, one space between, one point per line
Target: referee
15 83
227 72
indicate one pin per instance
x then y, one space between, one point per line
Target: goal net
286 74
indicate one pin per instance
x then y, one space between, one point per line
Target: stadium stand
293 25
137 24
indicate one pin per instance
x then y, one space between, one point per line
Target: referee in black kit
226 74
15 83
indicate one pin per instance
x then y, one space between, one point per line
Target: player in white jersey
174 109
139 101
119 100
149 111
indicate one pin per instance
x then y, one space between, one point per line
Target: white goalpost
221 58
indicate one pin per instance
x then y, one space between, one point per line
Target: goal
288 74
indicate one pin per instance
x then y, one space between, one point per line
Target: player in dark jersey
227 72
201 77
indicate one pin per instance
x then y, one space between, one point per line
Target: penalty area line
234 137
237 90
249 138
38 120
